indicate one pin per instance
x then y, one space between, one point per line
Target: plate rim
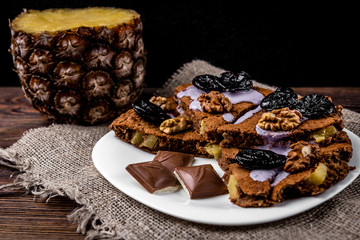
337 188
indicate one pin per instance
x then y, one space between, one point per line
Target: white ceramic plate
110 156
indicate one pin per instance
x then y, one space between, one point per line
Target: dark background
288 44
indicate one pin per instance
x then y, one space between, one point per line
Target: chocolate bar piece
171 160
200 181
153 176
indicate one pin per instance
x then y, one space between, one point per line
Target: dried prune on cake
280 98
236 81
315 105
149 111
252 159
208 83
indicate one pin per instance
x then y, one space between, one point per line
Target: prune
149 111
208 83
280 98
315 105
252 159
236 81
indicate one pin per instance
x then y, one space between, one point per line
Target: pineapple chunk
318 176
324 133
232 187
150 141
50 20
213 150
137 138
202 127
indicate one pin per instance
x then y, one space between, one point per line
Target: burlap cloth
56 160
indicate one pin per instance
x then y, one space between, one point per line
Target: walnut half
280 119
302 157
175 125
214 101
163 102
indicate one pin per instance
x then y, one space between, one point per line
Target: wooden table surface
23 217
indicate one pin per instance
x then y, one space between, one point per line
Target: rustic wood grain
22 216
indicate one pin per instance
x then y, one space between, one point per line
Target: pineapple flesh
232 183
82 66
214 150
324 133
318 176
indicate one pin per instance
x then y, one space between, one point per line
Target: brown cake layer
127 124
335 153
337 148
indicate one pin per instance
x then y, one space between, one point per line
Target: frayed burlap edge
25 179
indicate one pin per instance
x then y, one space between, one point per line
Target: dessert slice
284 118
143 130
337 147
200 181
309 169
248 117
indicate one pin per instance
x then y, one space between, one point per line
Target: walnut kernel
301 157
214 101
175 125
163 103
280 119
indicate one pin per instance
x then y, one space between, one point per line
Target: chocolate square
171 160
200 181
153 176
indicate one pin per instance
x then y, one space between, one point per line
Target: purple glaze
191 92
261 175
179 109
272 136
248 115
276 147
251 95
275 175
171 115
279 177
273 143
228 117
303 119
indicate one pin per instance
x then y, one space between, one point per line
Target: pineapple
214 150
318 176
232 183
82 66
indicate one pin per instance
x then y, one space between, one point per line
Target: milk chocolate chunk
200 181
171 160
153 176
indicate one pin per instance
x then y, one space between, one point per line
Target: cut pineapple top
52 20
